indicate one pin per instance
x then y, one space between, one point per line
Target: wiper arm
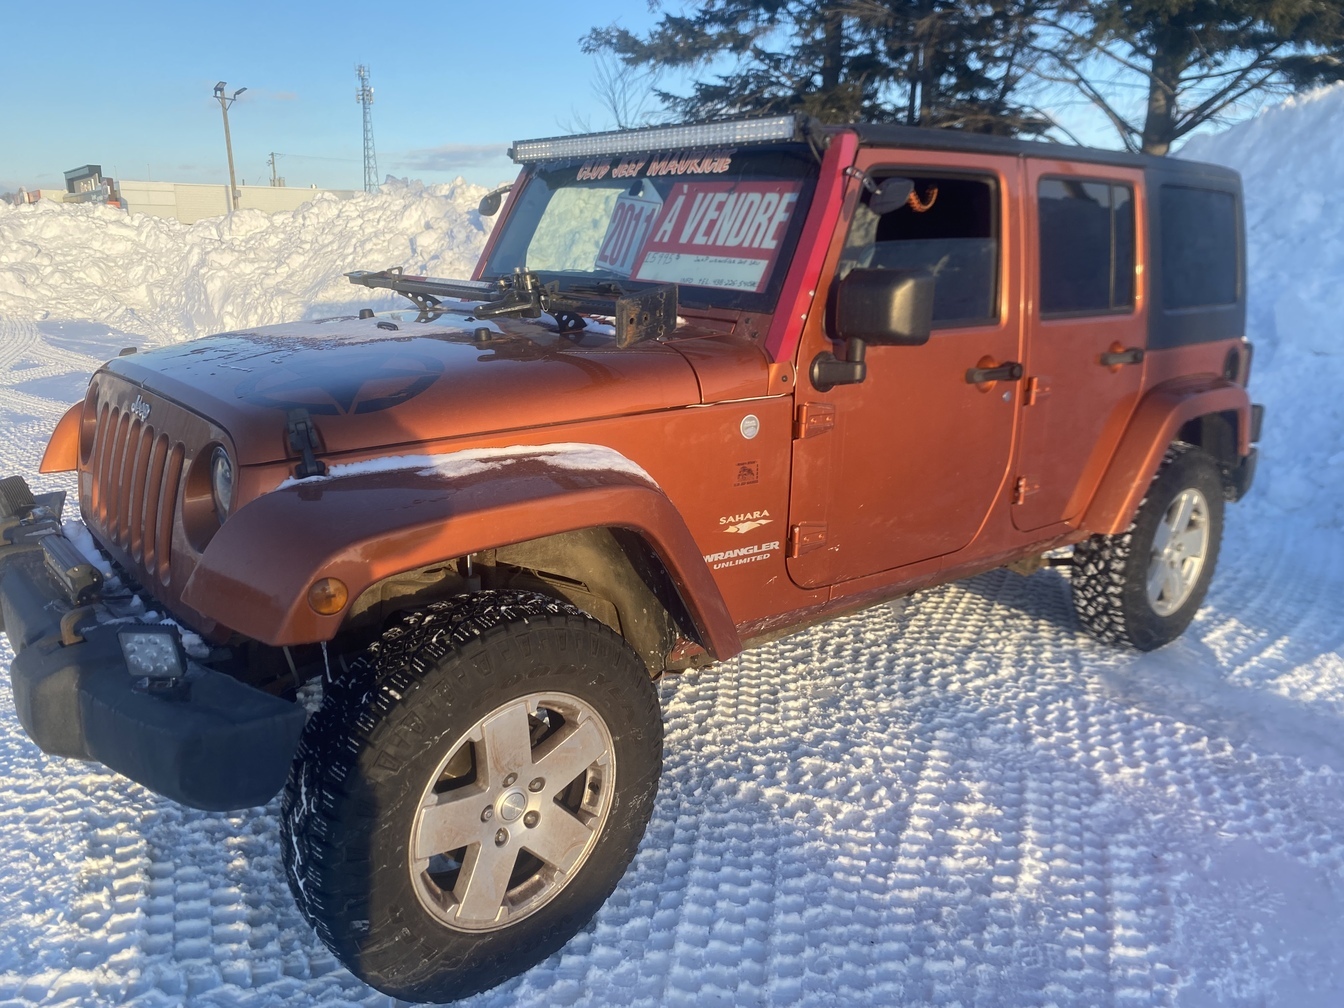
425 292
648 315
520 294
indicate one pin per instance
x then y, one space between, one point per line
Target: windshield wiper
651 314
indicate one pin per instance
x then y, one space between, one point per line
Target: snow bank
1290 159
170 281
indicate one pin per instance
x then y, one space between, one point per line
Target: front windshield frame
784 166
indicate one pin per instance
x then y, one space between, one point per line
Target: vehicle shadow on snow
1043 596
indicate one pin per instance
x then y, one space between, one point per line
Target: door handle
1126 355
1008 371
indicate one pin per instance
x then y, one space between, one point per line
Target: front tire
471 792
1143 587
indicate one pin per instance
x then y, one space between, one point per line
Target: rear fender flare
1156 424
365 526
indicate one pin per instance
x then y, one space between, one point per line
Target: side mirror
489 205
891 195
883 306
890 307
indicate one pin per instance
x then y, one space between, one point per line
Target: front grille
136 475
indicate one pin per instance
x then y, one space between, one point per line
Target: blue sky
129 87
454 83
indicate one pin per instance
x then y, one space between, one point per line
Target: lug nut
501 838
531 819
510 779
487 814
537 784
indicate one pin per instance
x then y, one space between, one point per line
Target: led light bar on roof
656 138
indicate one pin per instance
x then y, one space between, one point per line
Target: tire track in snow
29 418
17 337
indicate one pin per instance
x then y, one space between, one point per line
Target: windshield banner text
718 234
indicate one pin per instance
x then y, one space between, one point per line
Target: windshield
722 225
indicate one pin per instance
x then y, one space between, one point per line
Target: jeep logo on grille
140 408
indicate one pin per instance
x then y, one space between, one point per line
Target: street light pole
225 100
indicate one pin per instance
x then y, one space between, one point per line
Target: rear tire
1143 587
471 792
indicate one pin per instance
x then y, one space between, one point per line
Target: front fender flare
62 454
1155 425
365 526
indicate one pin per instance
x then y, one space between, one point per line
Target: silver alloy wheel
1180 546
512 812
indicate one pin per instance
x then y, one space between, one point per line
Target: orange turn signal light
328 596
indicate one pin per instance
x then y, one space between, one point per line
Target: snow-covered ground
953 800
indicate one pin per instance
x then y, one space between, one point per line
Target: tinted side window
1199 247
946 227
1086 246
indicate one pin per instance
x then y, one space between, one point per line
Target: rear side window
1086 246
1199 247
946 227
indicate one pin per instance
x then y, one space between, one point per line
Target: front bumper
218 745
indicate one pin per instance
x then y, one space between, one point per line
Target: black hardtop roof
923 138
763 131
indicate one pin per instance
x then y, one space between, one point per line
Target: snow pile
166 280
1289 158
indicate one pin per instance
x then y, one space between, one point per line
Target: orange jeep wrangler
709 384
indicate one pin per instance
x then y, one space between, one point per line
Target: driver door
906 465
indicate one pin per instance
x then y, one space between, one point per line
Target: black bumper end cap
1242 475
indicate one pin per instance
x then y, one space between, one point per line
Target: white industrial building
191 201
184 201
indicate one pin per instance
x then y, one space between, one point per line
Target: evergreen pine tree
1194 60
921 62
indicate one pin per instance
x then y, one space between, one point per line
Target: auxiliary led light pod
154 657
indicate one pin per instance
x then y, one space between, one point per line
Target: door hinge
1038 387
813 419
1024 487
806 537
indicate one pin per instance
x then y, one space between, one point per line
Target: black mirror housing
490 202
886 307
891 195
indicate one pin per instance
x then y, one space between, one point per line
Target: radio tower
365 98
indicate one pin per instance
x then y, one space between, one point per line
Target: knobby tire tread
360 711
1104 568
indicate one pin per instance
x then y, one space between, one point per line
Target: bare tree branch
1128 132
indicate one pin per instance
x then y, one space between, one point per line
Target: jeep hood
392 380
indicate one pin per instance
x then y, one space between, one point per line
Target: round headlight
221 482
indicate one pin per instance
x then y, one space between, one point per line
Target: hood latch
303 439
